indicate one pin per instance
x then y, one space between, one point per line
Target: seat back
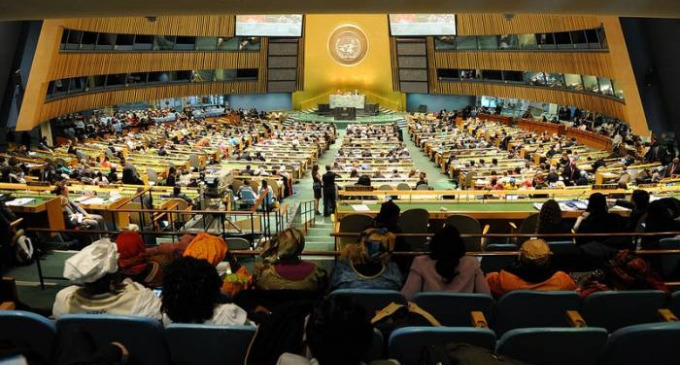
423 187
527 308
372 300
153 175
469 225
670 264
440 305
559 248
377 349
496 263
554 346
406 344
142 336
28 329
354 223
236 184
616 309
675 303
193 161
529 225
415 221
202 344
403 186
385 187
654 343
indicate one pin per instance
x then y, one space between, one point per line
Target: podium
345 113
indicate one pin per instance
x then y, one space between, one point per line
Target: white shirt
224 315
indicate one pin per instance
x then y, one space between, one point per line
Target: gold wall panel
87 64
78 103
490 24
323 75
582 63
199 25
593 103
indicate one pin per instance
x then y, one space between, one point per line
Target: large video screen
422 24
281 25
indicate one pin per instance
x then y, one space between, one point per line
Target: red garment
131 249
295 272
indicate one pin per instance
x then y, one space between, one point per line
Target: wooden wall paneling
582 63
394 62
492 24
262 77
115 97
625 77
87 64
194 25
595 103
300 83
431 63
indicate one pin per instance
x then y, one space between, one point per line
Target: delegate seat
669 264
372 300
354 223
675 303
406 344
653 343
554 346
526 309
142 336
28 330
467 225
377 349
403 186
496 263
528 225
415 221
202 344
454 309
617 309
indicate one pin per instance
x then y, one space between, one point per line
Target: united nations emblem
348 45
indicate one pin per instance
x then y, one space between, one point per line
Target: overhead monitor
422 24
279 25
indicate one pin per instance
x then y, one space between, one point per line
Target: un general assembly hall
340 183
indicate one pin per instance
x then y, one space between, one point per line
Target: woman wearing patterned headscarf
283 268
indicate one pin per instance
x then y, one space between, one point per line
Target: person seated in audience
135 263
113 175
396 174
270 198
354 174
550 221
282 267
178 194
422 179
446 268
378 175
338 332
638 204
248 171
659 219
74 215
130 175
597 219
191 294
244 187
98 287
105 163
171 180
100 179
207 247
261 171
532 271
368 265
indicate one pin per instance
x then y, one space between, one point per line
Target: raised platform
385 116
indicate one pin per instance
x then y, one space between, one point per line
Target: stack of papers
361 208
19 202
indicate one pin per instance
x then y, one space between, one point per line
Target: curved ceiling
42 9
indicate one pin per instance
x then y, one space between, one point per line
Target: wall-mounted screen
422 24
281 25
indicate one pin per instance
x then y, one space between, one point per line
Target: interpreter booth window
468 74
178 77
508 41
137 78
466 42
489 102
125 42
227 44
546 40
535 78
590 84
448 74
185 43
164 43
445 43
206 44
488 42
514 77
202 76
527 41
492 75
88 42
579 39
618 90
158 77
563 40
555 80
225 75
606 86
573 82
115 81
598 37
77 85
106 41
143 42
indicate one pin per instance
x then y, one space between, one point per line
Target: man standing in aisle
329 193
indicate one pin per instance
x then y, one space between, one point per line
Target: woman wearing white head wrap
99 289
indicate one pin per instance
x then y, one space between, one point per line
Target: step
318 246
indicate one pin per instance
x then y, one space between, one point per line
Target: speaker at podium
345 113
